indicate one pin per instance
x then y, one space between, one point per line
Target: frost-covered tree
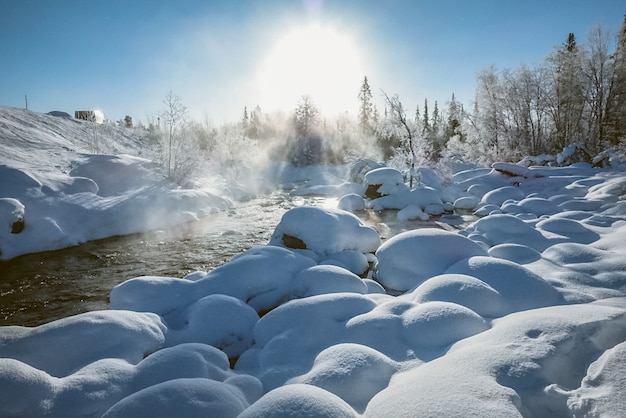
408 150
366 109
454 118
489 119
598 71
566 95
174 117
306 117
425 118
616 101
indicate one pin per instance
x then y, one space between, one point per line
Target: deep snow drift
521 313
65 195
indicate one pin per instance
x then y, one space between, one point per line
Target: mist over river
41 287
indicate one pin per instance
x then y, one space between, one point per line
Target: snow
520 312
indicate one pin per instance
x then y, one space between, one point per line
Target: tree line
576 95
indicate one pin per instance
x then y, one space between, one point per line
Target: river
39 288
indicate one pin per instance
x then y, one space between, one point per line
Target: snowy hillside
522 313
64 182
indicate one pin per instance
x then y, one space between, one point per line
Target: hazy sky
123 56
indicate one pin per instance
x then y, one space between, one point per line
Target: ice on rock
408 259
354 372
461 289
299 401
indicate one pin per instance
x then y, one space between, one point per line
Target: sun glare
314 60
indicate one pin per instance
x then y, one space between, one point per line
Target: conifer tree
454 119
616 103
366 110
426 127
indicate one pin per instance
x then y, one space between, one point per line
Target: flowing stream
39 288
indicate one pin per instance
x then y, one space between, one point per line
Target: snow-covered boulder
320 233
500 195
354 372
409 258
351 202
461 289
11 216
383 181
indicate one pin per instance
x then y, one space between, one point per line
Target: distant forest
576 97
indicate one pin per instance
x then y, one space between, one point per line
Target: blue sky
123 56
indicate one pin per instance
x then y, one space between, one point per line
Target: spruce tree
454 120
366 110
616 103
426 117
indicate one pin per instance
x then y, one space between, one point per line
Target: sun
315 60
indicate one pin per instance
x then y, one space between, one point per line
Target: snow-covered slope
520 314
64 181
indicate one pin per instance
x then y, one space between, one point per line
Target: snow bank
323 233
520 313
410 258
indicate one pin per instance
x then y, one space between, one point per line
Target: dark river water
38 288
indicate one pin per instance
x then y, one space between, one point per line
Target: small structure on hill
88 115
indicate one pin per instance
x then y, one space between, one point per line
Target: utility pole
26 98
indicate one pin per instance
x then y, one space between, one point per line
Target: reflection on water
38 288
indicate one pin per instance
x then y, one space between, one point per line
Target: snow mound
323 232
51 347
318 280
461 289
603 389
299 401
351 202
500 195
410 258
440 323
182 397
506 229
384 181
251 277
353 372
521 288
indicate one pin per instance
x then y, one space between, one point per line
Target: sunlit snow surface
522 313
